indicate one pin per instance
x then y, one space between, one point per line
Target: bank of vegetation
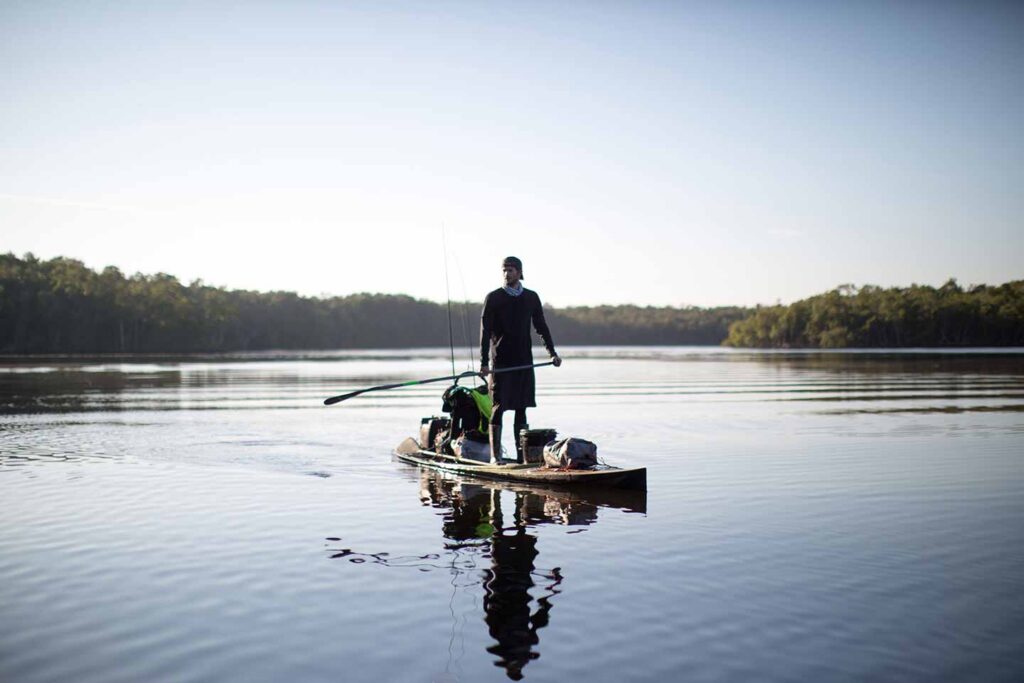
60 306
897 317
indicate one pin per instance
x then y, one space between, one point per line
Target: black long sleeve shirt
505 328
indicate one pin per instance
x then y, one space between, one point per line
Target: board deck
604 476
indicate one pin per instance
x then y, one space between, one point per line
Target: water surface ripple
810 516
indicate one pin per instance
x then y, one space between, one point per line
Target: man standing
505 336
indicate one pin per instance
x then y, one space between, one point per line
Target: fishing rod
469 373
465 312
447 293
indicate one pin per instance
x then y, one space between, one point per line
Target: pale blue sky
629 152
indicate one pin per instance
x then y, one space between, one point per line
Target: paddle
469 373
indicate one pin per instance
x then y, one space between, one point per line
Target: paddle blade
338 399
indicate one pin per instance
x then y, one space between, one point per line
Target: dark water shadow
958 363
492 545
75 391
926 410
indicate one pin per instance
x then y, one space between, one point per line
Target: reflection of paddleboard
540 502
603 476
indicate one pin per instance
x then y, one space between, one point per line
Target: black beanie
515 263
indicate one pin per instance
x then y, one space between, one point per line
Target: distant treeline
916 316
61 306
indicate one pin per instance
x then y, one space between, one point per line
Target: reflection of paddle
469 373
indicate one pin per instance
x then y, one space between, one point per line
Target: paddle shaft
469 373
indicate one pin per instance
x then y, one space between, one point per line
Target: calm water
833 517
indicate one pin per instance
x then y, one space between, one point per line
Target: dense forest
916 316
61 306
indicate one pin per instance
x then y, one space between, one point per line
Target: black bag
478 436
572 454
459 403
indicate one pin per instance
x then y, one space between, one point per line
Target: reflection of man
518 596
505 338
507 600
475 514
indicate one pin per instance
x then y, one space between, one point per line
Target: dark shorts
512 391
